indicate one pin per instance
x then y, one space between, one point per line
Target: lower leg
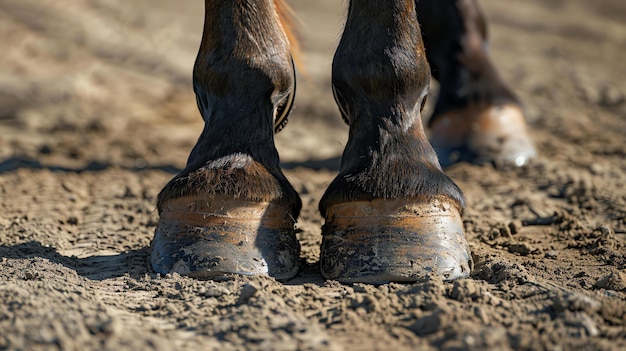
391 214
477 117
231 210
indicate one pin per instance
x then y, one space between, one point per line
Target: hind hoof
490 134
384 241
212 237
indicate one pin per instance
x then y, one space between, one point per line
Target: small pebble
515 226
505 232
596 169
72 220
551 255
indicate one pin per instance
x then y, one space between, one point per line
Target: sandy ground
97 113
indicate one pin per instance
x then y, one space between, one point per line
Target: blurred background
91 83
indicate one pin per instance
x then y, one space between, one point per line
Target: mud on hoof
483 134
398 240
208 237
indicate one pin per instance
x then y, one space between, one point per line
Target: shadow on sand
98 267
21 162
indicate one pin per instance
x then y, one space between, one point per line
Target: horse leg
231 210
391 214
477 117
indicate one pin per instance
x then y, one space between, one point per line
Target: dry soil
97 114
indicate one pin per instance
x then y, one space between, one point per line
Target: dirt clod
615 280
521 248
247 291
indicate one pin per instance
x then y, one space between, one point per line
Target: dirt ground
97 114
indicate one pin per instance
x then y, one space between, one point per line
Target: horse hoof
488 134
400 240
209 237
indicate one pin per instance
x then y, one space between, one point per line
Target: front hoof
209 237
483 134
399 240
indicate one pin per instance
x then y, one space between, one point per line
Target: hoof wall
384 241
212 237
